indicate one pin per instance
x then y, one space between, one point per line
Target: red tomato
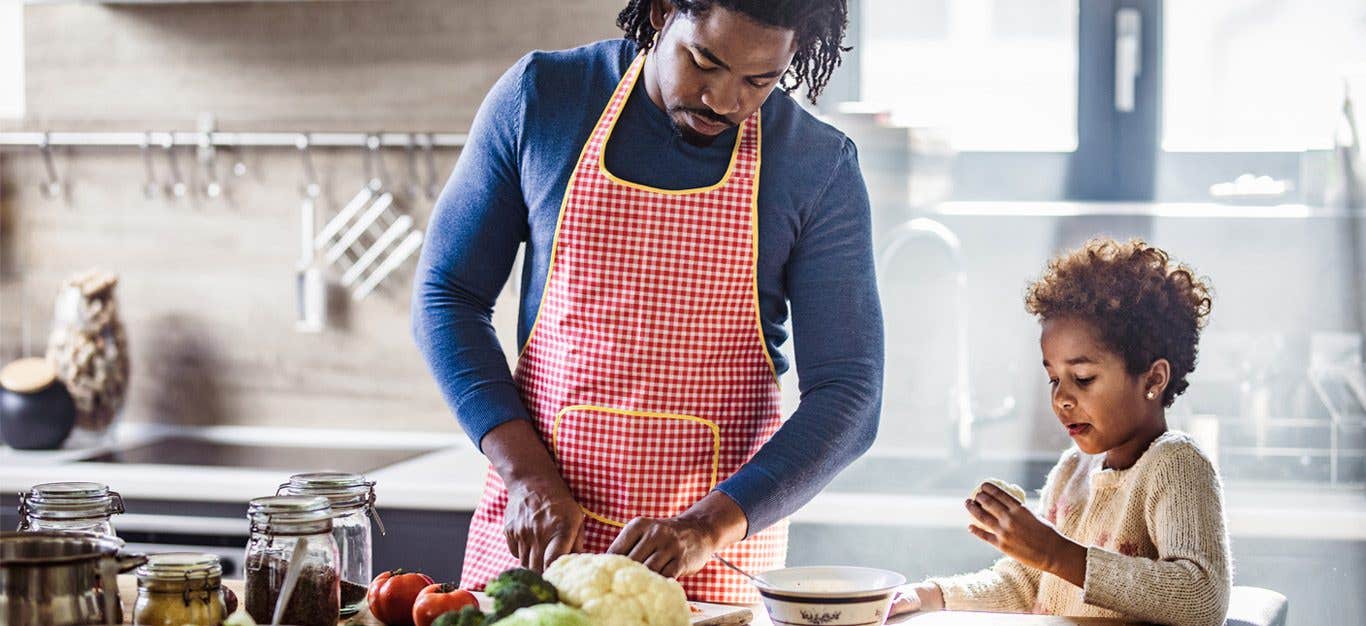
391 596
436 600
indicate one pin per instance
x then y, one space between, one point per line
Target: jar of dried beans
287 533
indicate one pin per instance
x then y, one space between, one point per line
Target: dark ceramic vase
36 420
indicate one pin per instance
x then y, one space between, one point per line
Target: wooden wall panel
207 286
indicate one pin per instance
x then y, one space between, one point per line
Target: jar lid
280 511
187 566
69 491
70 500
27 375
343 490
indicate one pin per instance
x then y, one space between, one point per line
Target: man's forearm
520 457
718 512
833 426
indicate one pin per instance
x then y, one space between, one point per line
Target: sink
198 451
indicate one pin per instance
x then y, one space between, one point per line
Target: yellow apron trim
564 202
559 219
600 518
715 445
754 224
602 154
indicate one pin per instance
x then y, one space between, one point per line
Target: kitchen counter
450 477
128 591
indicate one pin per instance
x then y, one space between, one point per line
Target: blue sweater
815 254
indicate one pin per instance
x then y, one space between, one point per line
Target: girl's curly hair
819 26
1144 305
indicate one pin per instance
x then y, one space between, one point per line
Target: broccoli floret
518 588
468 616
513 597
544 591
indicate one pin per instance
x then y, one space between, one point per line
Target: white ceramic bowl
829 596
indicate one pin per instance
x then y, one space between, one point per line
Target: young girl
1131 523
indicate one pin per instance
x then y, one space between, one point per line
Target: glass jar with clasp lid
70 506
292 554
352 498
180 589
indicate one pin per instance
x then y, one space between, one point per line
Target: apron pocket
621 465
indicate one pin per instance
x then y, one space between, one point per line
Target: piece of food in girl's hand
1015 491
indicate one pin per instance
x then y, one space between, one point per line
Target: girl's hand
918 597
1015 530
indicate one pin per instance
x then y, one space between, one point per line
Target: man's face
711 70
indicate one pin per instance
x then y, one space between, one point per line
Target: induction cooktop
209 453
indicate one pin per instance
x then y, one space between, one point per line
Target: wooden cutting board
707 614
704 615
721 615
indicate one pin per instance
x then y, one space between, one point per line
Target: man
673 205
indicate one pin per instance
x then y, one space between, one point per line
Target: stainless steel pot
61 578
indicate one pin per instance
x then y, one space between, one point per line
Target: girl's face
1098 401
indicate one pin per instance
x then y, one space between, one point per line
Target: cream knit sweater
1156 550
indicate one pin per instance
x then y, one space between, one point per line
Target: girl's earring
1151 395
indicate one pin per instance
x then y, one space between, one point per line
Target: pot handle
109 569
128 561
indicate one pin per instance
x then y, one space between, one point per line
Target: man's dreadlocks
818 24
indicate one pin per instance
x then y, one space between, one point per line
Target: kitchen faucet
966 418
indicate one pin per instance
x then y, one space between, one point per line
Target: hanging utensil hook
177 185
311 188
374 162
52 187
151 187
428 150
416 186
208 157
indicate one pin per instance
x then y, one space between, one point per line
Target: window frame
1119 155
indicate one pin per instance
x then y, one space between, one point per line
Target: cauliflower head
546 615
617 591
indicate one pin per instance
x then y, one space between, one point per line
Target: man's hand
543 521
682 545
673 547
1015 530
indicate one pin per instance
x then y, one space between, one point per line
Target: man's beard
690 136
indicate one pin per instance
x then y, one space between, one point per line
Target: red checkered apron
646 370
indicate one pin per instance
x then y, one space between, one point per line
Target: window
1257 76
994 74
1216 91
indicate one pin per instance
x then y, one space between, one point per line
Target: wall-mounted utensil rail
136 139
